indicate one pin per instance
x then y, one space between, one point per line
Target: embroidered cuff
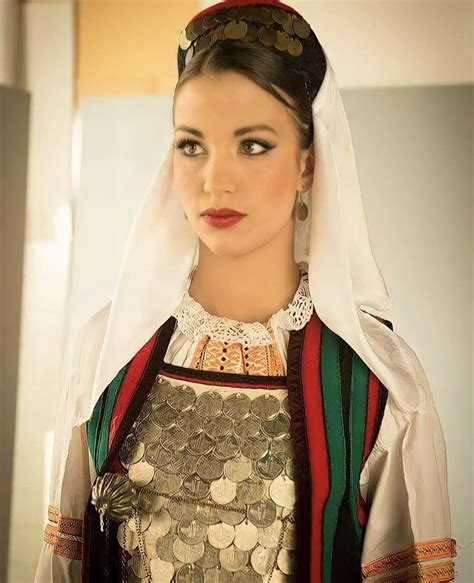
64 534
424 561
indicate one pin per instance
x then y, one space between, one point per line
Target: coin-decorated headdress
272 24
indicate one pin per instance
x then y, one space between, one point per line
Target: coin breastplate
213 468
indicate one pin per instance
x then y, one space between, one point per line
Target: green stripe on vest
336 448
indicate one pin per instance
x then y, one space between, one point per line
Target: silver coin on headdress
282 17
301 27
267 35
295 48
266 15
283 41
235 30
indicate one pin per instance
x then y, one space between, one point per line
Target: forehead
227 99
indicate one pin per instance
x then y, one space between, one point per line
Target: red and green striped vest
336 405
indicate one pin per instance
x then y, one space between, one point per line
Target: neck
249 287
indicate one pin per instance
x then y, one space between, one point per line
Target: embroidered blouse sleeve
404 483
61 551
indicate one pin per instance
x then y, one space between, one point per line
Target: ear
307 168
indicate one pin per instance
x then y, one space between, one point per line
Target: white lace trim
195 322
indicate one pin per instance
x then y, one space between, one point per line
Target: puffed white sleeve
72 472
404 483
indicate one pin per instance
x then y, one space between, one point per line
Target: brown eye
249 147
183 145
252 143
190 148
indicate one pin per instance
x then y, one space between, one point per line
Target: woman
243 410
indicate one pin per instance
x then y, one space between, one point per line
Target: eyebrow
237 133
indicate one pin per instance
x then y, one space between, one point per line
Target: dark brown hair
273 72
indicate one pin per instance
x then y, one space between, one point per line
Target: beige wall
128 47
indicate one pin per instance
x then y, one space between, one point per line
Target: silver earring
301 208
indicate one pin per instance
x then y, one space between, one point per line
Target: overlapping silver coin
214 473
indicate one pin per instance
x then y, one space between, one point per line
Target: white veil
346 285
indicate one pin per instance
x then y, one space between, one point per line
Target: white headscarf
346 285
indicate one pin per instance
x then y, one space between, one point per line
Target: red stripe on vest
311 375
129 385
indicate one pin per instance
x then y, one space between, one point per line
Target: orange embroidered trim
64 534
49 534
53 513
214 355
437 573
423 551
71 526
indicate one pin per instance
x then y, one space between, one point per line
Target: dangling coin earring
301 208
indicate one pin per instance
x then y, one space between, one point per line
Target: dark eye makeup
184 142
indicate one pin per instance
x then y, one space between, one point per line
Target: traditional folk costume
195 448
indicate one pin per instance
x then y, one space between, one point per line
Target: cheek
276 191
184 185
180 176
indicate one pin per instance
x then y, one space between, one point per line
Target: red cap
240 3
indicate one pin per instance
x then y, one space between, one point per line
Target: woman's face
225 158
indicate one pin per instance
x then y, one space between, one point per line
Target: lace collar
195 322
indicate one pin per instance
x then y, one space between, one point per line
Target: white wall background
405 68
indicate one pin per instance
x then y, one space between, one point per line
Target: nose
218 176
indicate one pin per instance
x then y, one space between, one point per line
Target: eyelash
181 144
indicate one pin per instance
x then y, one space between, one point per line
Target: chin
224 245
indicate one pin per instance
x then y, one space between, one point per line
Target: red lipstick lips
223 217
222 212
